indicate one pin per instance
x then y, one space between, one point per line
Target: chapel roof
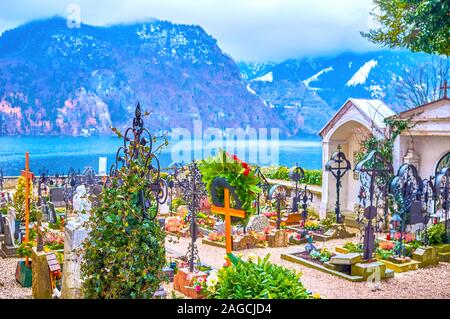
375 111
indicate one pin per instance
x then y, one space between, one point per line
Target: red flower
247 171
245 165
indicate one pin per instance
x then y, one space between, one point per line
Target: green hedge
312 176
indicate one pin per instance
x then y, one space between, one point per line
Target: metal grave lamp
338 165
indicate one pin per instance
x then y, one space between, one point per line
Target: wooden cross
28 176
228 212
445 87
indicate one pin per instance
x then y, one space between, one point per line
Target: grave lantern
338 165
264 185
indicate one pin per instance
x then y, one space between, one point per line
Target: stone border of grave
422 257
360 271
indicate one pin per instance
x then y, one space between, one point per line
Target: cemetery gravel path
9 287
431 282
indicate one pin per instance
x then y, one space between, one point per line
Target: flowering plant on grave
239 175
312 225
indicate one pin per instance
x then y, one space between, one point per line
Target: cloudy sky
251 30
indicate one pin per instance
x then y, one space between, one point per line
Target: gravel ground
431 282
9 287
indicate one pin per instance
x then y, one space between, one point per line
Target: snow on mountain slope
268 77
315 77
362 74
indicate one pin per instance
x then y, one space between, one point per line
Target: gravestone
164 209
258 223
57 196
2 227
71 280
52 218
278 238
219 227
45 213
8 247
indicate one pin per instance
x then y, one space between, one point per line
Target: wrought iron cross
407 188
372 169
306 198
443 192
264 184
338 165
296 174
138 148
193 191
278 193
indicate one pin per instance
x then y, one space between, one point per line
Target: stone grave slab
41 287
367 269
278 238
346 259
183 282
427 256
258 223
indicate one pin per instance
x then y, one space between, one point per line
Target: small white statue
82 206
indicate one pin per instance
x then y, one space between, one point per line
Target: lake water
59 154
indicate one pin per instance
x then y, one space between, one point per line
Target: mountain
56 80
321 85
80 81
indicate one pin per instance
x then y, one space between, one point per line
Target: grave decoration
124 254
338 165
296 174
374 174
277 193
23 269
306 198
70 183
224 207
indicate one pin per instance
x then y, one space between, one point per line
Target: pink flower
198 288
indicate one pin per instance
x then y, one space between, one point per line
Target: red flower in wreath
245 165
247 171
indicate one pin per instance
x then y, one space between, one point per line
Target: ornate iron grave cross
264 185
306 198
43 182
429 203
193 191
338 165
224 207
407 189
443 192
89 177
70 183
28 177
138 148
173 171
375 172
278 193
296 174
1 179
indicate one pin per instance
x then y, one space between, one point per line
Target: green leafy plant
436 234
353 248
384 254
124 253
177 202
239 174
258 279
18 202
328 222
25 248
312 176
